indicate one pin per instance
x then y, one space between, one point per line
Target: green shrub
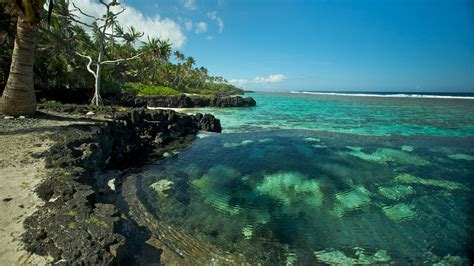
200 91
131 88
147 90
49 102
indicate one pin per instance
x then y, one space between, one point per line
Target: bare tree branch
82 12
118 13
76 21
111 62
89 64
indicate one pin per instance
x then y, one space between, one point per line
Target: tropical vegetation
98 56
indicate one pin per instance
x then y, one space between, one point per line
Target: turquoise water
355 115
325 179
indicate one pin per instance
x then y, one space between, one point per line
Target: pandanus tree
18 97
102 28
130 36
156 51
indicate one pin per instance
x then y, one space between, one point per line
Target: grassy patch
49 102
141 89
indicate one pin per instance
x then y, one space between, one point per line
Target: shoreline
22 170
73 185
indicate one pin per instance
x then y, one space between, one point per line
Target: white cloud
270 79
188 24
201 27
209 38
214 17
164 28
190 4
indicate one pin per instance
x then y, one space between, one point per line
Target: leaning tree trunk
19 96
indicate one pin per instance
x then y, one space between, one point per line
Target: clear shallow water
277 195
355 115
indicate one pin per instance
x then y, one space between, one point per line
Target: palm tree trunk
19 96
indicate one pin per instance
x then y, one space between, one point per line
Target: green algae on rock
311 139
399 212
396 192
247 231
407 148
214 181
411 179
350 200
388 155
292 188
233 145
460 156
339 258
161 186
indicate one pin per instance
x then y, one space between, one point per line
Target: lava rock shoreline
80 223
183 101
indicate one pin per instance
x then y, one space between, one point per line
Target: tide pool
322 179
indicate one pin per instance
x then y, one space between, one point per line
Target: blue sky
401 45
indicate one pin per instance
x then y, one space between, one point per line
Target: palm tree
202 71
19 96
131 36
190 61
180 58
156 50
165 50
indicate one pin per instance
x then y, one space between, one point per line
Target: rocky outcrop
184 101
79 223
208 122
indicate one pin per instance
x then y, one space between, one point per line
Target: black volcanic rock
79 223
183 101
208 122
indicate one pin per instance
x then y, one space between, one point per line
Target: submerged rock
247 231
213 185
339 258
399 212
292 189
161 186
396 192
386 156
460 156
237 144
407 148
352 199
411 179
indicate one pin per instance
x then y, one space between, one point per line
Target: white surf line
387 95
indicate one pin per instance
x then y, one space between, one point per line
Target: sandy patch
180 110
20 173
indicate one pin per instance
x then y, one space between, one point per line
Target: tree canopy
58 65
